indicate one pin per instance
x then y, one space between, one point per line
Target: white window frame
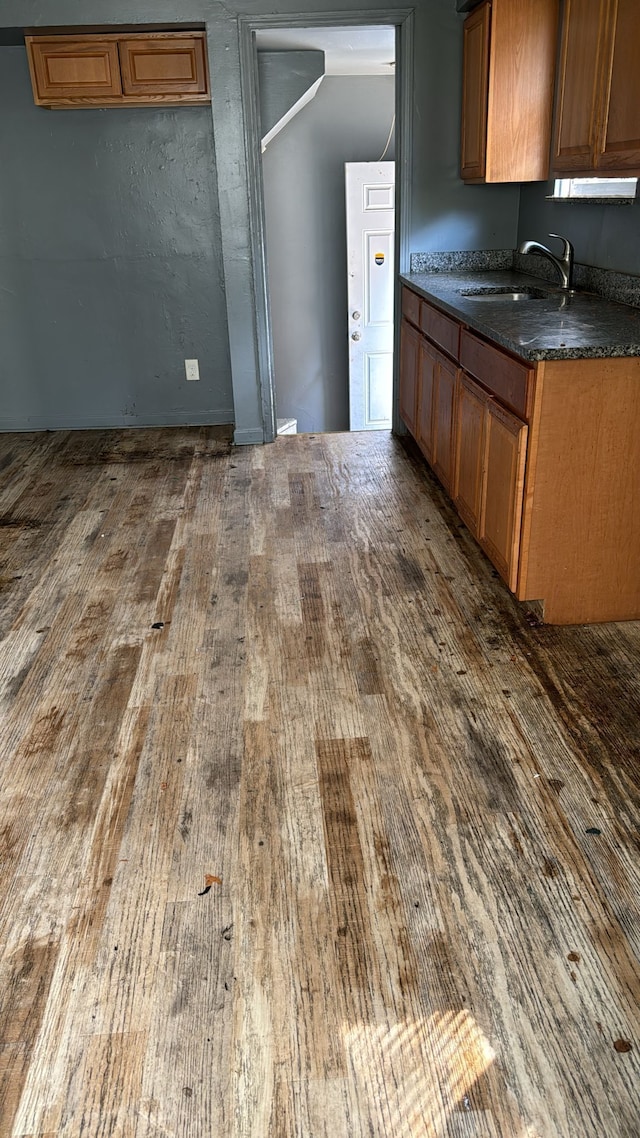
576 188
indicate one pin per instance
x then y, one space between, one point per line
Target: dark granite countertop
554 327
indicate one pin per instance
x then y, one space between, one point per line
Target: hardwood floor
308 830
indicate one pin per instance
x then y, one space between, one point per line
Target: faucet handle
568 247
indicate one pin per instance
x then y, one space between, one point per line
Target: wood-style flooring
308 830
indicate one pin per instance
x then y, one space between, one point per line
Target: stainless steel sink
504 294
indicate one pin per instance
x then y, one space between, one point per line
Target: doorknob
356 336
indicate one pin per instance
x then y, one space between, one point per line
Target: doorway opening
321 94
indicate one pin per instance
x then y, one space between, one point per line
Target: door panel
427 367
370 199
469 459
583 39
475 93
620 148
171 65
503 490
443 420
409 357
66 68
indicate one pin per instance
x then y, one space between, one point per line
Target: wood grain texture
344 847
507 100
119 69
581 537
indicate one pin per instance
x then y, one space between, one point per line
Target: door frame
400 18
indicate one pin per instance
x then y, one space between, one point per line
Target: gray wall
347 121
110 272
283 78
445 214
606 236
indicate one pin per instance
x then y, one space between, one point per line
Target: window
595 188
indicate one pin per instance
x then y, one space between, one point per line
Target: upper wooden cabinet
119 70
598 107
507 100
163 65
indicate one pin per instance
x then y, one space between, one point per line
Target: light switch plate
192 369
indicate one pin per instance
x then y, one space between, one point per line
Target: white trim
292 112
622 187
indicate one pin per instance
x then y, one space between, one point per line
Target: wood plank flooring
308 830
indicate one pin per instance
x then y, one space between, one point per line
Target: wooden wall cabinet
119 70
507 97
542 462
597 130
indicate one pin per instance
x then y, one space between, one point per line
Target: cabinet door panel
66 68
409 357
469 457
503 490
619 143
475 92
583 41
164 65
426 388
443 420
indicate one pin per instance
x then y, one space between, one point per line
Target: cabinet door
172 64
471 409
444 394
583 40
475 92
409 362
619 139
505 449
72 67
427 379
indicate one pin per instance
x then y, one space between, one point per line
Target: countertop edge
533 355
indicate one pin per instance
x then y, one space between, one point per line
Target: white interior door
370 189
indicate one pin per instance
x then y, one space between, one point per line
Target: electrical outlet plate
192 369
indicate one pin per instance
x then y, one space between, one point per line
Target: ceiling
348 51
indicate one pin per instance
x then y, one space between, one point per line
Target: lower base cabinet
542 461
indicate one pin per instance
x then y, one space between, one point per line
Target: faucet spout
564 263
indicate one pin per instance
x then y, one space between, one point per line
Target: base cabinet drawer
511 380
411 306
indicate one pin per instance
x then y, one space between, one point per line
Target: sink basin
504 294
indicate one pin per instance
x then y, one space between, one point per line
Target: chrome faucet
563 264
